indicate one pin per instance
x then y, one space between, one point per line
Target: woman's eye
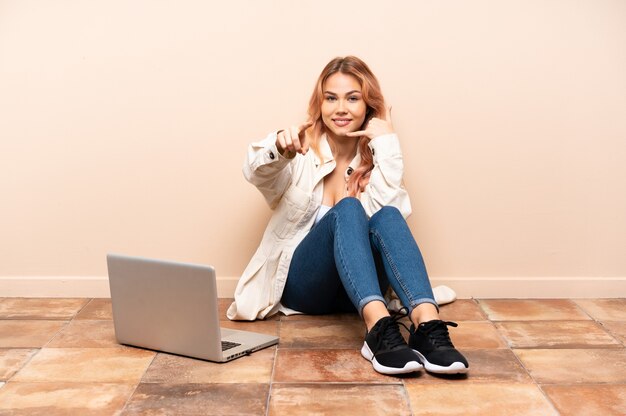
353 98
330 98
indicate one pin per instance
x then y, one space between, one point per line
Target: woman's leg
403 264
334 262
405 269
313 284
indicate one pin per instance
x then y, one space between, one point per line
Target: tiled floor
527 357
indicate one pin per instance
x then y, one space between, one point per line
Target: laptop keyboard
226 345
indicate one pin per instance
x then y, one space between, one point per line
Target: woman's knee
385 214
351 205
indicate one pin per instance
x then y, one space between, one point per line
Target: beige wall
123 126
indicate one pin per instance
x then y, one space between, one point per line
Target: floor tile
556 334
60 399
11 360
617 329
338 399
262 327
255 368
588 400
322 334
575 366
97 309
105 365
85 334
40 308
478 335
334 366
486 366
478 399
198 399
60 356
462 310
604 309
532 310
27 333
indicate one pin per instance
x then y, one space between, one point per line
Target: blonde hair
373 98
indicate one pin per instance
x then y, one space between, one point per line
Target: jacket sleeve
385 186
267 169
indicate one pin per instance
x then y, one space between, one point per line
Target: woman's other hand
293 140
376 127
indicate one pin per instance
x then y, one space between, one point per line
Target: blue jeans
348 260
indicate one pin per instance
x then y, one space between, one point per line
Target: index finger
356 133
304 145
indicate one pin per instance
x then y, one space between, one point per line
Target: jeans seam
394 269
343 266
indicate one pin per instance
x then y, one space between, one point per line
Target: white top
321 212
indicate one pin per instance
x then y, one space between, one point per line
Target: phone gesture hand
376 127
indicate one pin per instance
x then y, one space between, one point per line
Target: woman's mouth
341 122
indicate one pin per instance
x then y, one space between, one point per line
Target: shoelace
389 331
438 333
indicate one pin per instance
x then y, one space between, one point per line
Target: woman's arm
268 164
385 185
267 169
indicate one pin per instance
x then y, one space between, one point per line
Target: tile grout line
407 398
56 334
521 363
548 399
38 349
23 365
537 385
130 396
511 349
121 411
83 308
500 334
476 302
622 343
271 383
601 324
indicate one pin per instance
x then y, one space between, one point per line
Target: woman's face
343 108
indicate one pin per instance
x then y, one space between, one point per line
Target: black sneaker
387 350
431 341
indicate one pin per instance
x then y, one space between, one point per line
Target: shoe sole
454 368
410 367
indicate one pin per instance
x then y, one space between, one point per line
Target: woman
338 236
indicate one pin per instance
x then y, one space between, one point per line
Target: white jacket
293 188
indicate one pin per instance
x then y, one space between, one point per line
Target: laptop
172 307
